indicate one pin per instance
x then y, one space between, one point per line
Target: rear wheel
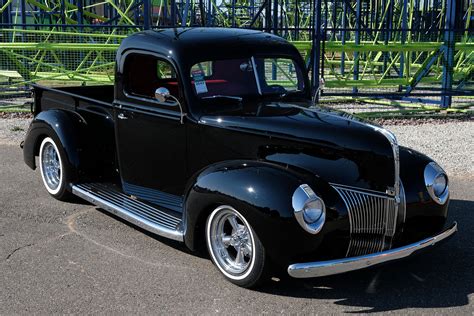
54 170
234 247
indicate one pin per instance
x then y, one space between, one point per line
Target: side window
144 73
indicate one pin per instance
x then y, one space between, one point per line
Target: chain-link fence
69 56
415 69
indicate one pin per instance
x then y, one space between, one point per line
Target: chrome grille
372 217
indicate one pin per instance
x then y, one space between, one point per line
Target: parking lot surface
58 257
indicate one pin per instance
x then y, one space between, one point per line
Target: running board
131 210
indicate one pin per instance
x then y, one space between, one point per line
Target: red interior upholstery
172 86
227 78
213 86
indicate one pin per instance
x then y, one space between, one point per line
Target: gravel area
450 143
12 130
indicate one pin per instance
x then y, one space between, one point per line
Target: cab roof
191 45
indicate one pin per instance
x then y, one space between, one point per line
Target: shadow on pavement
443 277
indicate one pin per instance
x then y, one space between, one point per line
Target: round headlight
313 211
310 211
436 183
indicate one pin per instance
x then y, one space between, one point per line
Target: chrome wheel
231 243
50 164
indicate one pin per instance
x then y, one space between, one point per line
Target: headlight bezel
431 173
302 199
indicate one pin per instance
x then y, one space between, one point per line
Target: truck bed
70 98
91 107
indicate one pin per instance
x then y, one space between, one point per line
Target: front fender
262 192
65 125
424 217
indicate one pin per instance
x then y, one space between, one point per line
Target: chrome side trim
400 201
365 191
254 66
402 211
396 160
133 211
330 267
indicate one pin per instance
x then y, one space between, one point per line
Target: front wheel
234 247
54 170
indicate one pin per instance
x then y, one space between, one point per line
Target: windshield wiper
221 96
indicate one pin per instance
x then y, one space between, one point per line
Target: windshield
230 81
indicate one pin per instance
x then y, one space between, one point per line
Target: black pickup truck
210 137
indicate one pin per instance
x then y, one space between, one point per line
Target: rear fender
64 125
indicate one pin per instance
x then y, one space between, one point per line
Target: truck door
150 136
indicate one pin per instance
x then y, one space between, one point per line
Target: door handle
122 116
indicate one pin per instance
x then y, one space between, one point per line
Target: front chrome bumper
324 268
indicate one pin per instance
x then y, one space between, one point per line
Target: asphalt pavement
58 257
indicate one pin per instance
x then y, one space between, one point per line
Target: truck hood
332 145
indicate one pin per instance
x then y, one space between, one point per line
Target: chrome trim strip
403 204
135 212
150 100
254 66
396 161
148 110
361 190
330 267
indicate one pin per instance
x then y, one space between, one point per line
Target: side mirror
162 94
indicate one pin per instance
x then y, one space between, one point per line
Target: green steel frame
401 49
